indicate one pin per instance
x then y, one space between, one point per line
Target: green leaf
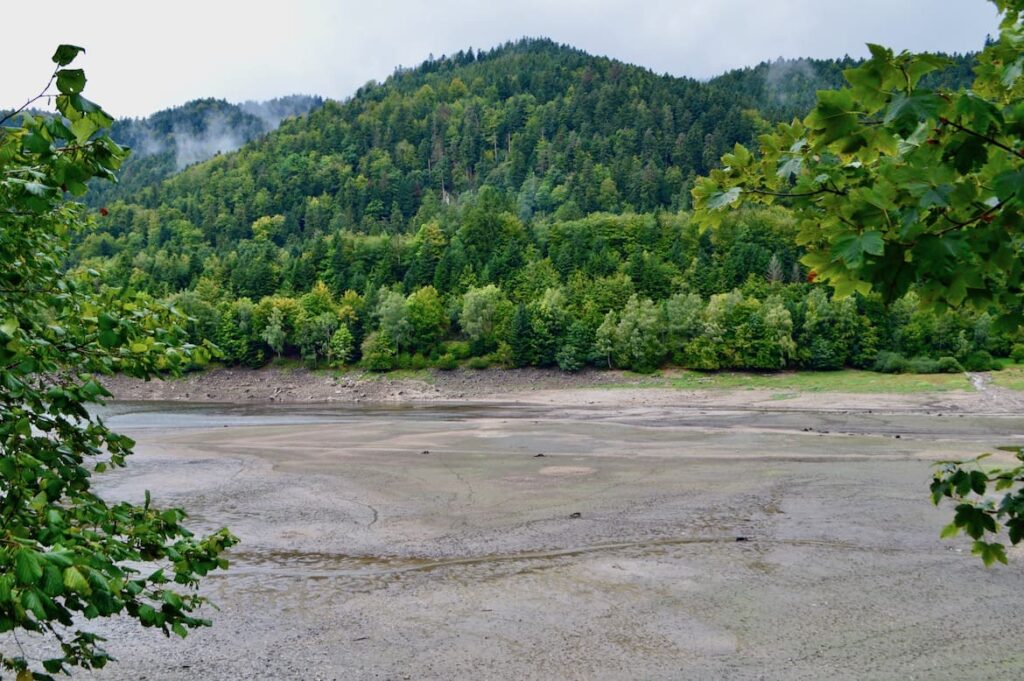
61 559
54 666
82 105
27 569
53 584
38 189
147 615
107 321
108 338
843 287
1012 72
977 113
6 584
720 200
879 52
990 552
967 153
75 581
834 116
36 143
978 482
71 81
83 129
924 64
172 599
77 188
790 167
908 110
65 54
1009 185
872 243
974 521
936 196
31 601
1015 527
853 247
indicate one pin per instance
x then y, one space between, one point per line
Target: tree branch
31 101
956 224
791 195
994 142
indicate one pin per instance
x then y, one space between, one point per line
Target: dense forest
522 206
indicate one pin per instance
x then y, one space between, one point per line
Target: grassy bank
845 381
1011 377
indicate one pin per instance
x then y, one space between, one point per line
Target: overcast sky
143 56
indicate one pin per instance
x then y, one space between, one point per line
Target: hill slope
550 126
169 140
527 200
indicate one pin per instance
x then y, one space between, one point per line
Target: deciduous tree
66 555
902 187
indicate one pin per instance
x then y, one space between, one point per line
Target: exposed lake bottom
646 543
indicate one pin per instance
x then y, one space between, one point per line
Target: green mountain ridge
525 205
547 123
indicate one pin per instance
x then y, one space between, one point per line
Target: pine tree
521 337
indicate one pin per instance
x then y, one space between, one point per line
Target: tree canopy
552 180
66 555
899 187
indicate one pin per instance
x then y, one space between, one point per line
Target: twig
955 224
31 101
994 142
823 190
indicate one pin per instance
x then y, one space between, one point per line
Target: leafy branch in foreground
900 188
66 555
979 511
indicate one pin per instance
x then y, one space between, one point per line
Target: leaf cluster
66 555
901 186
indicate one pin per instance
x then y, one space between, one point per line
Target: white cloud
144 56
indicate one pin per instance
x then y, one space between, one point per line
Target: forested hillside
524 206
560 131
172 139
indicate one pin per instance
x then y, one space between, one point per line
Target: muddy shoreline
272 385
430 540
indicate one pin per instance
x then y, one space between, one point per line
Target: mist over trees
172 139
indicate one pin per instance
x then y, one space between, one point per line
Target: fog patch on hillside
216 137
783 78
273 111
201 129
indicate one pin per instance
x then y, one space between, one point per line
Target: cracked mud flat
430 542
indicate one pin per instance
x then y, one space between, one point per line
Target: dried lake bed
434 542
